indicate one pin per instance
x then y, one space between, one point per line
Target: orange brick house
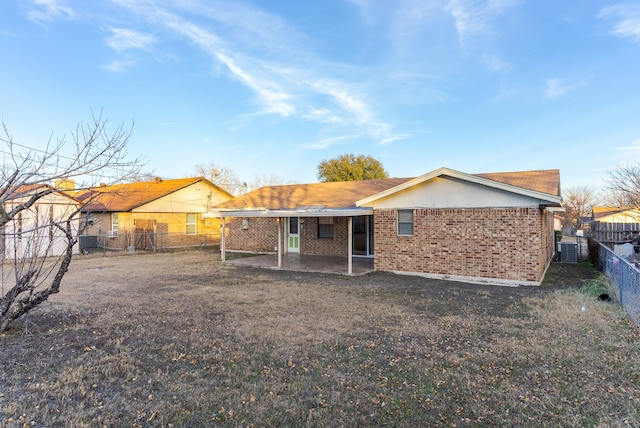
152 214
494 228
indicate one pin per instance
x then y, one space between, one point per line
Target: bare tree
578 202
143 176
623 185
268 180
39 223
224 178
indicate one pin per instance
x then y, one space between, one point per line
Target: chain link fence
146 241
624 277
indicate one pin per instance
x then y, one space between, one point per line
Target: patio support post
350 247
280 223
222 249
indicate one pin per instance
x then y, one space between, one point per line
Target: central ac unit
569 252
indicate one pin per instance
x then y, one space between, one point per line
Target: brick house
495 228
615 214
146 214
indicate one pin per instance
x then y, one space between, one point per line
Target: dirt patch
179 339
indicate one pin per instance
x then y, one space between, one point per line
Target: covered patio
307 263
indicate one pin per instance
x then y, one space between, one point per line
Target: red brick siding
172 223
336 246
260 236
500 243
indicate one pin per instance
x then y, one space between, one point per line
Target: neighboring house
615 214
153 214
615 225
495 228
34 232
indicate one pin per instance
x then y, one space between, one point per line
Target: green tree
349 167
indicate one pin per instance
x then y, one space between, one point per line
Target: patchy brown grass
178 339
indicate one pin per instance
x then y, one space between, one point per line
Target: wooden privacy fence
614 233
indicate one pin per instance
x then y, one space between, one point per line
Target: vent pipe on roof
158 179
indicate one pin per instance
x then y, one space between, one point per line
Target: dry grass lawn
178 339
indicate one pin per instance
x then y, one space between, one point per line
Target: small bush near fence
145 242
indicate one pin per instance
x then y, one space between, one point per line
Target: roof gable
128 196
541 185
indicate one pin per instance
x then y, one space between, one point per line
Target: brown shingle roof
344 194
125 197
334 195
544 181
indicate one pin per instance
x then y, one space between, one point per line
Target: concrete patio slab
307 263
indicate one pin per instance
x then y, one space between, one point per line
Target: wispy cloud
262 52
324 143
473 18
630 151
495 63
127 43
123 39
119 65
270 92
474 23
392 138
625 20
556 88
49 10
272 95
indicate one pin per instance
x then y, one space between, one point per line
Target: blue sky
274 87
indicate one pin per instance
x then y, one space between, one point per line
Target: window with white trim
405 222
192 224
325 227
114 222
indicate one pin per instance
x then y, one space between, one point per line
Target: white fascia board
544 197
345 212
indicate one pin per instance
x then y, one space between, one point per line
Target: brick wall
501 243
174 223
336 246
261 235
